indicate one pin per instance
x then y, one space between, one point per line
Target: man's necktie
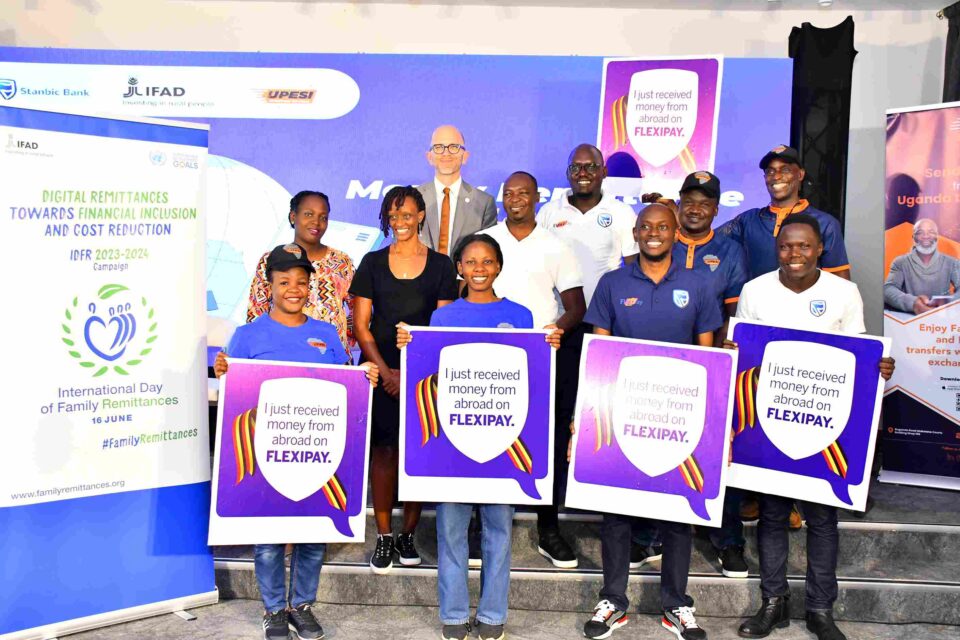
444 223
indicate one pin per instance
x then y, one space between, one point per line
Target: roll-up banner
921 409
106 467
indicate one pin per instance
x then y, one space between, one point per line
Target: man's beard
926 250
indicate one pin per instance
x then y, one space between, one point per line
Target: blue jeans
452 557
305 564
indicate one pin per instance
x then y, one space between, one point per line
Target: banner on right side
921 295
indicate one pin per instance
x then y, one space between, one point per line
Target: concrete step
890 573
240 620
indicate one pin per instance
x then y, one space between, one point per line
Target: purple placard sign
477 414
658 119
292 442
652 423
805 414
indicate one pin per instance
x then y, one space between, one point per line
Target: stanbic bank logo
8 88
135 90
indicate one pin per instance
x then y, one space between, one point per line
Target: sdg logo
8 88
113 331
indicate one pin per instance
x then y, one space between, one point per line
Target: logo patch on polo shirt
562 223
681 298
628 302
711 261
604 220
317 343
504 325
818 307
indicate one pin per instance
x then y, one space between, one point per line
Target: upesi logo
135 90
302 96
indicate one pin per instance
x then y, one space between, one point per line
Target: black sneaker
641 555
474 543
606 618
275 625
382 559
489 631
407 552
732 563
455 631
305 623
682 623
554 548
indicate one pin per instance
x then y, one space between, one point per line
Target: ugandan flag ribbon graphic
603 419
244 428
426 393
746 401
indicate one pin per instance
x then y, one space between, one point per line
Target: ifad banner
476 410
921 409
807 405
291 454
658 120
353 125
651 430
107 465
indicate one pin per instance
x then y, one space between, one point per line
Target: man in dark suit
454 208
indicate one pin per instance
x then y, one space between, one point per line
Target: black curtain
951 67
820 113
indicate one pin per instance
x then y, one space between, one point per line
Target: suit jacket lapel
463 211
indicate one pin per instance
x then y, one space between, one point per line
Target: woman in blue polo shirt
285 333
479 260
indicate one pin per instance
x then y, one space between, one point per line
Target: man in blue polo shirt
755 229
654 298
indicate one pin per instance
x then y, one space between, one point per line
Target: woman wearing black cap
287 334
404 282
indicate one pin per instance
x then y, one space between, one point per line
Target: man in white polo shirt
598 227
541 273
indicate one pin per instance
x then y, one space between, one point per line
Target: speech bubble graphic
482 405
301 434
813 396
803 395
657 430
472 410
662 113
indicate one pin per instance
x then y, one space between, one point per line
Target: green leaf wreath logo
109 338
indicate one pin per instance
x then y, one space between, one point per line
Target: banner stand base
919 480
87 623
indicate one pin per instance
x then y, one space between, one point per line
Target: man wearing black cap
721 262
756 228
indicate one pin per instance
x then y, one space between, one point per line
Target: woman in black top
404 282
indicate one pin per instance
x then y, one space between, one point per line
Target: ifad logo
134 90
112 331
818 307
8 88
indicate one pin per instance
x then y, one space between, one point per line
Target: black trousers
564 404
822 545
615 540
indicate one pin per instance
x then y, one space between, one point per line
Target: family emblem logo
8 88
711 261
681 298
604 220
562 223
294 249
818 307
702 177
104 341
317 343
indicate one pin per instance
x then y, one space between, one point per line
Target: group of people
586 262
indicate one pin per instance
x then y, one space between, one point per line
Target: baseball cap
704 181
287 256
783 152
